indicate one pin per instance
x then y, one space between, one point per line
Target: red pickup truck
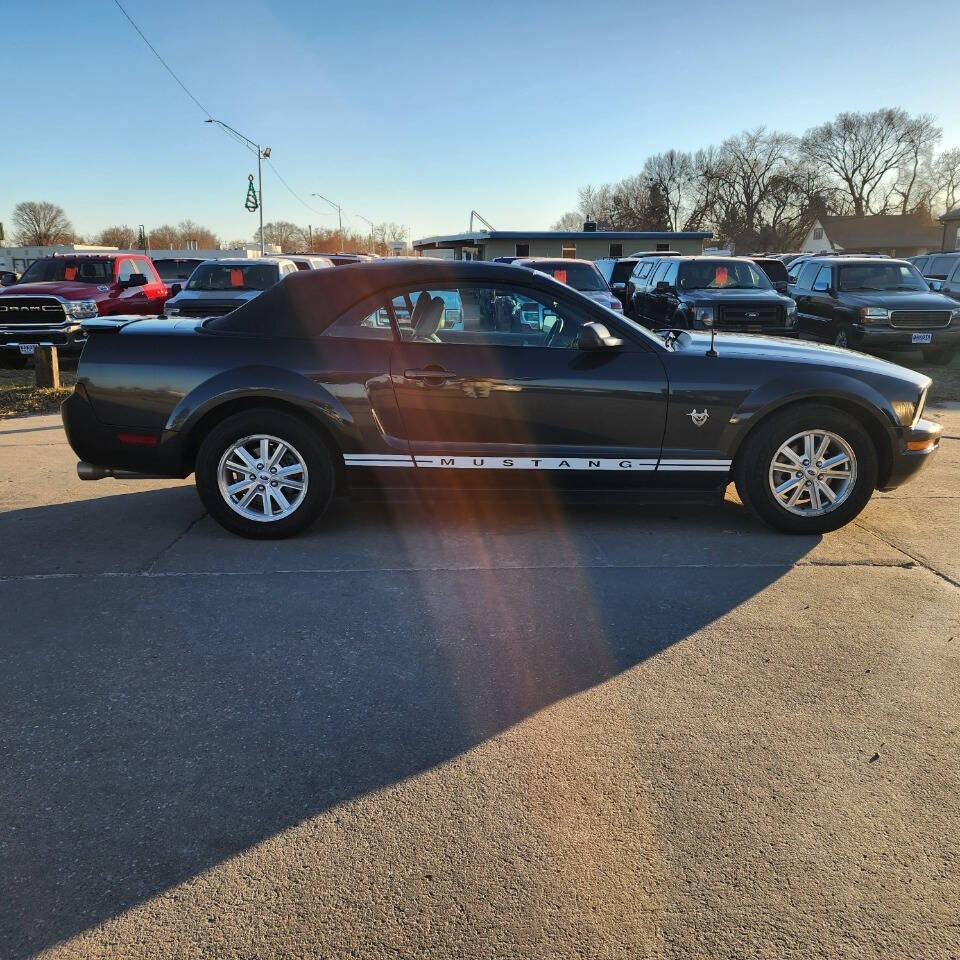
55 294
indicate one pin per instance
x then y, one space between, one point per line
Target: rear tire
303 477
939 356
782 437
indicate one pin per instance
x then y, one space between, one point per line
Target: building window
568 250
616 249
522 249
957 246
818 233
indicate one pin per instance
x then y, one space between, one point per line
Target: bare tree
40 224
201 237
123 237
866 151
571 221
674 173
164 237
288 236
946 177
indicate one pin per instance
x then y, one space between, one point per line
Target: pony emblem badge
699 419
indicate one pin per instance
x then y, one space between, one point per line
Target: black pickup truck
868 303
730 293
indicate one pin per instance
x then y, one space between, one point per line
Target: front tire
842 337
264 474
809 469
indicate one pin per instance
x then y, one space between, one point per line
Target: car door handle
432 375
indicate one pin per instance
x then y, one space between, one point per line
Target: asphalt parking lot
483 730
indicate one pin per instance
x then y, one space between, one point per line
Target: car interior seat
429 323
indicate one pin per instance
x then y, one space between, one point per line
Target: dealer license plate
28 348
921 338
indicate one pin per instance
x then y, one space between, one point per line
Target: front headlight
791 314
170 309
81 309
955 316
704 314
615 304
874 314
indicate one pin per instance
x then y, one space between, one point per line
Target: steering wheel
553 332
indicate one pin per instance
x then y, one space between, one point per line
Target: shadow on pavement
154 726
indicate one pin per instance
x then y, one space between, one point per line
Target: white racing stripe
586 464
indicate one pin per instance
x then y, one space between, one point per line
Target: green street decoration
252 202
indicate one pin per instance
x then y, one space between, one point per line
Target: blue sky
418 112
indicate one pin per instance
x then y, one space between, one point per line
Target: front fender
812 386
261 383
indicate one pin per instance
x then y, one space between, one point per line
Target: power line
209 115
164 62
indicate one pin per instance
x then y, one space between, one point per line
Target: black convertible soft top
304 304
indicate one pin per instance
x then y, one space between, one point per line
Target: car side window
483 316
125 269
822 283
659 272
807 272
642 269
146 268
368 321
671 275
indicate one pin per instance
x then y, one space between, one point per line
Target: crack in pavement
147 568
919 561
148 573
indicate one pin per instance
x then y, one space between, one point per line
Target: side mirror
780 286
175 288
595 336
135 280
663 287
8 278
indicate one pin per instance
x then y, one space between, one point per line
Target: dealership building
584 244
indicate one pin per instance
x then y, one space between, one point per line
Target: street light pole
339 210
362 217
263 153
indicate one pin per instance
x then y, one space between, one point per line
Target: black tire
291 430
753 461
939 356
843 336
12 361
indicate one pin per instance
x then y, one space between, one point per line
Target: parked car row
48 302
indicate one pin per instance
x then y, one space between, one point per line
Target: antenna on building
486 223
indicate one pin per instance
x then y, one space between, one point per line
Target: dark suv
864 303
729 293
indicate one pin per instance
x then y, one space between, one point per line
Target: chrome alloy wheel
813 472
262 478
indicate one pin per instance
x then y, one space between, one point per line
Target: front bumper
882 335
918 444
67 338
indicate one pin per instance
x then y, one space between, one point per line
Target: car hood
727 296
603 297
238 295
747 346
900 300
65 289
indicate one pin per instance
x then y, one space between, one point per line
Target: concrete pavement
509 731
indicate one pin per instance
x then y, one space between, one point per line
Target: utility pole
339 210
262 154
372 243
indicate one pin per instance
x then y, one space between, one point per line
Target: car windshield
175 269
774 269
869 277
227 276
622 270
61 269
581 276
721 275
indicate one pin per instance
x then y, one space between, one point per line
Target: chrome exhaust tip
90 471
